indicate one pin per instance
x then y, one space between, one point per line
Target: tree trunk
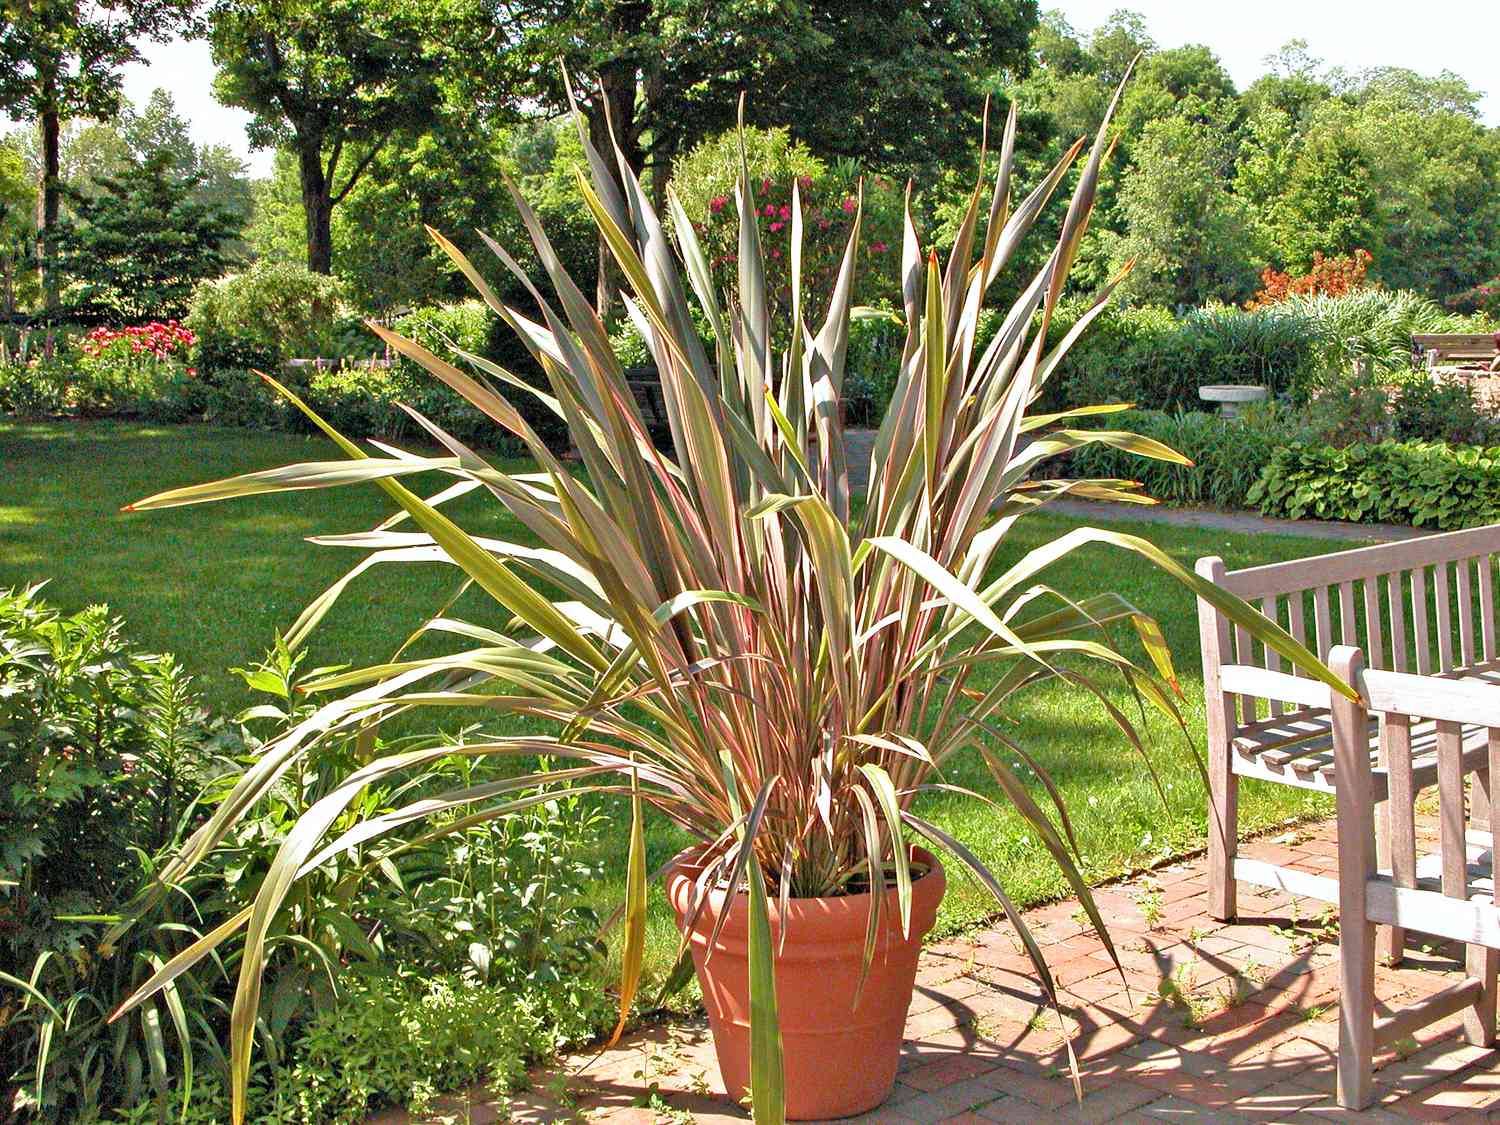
48 194
317 203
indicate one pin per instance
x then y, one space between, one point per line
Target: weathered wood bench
1425 606
1449 894
1440 349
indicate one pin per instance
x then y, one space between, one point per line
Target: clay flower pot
840 1059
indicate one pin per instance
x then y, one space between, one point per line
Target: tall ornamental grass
721 634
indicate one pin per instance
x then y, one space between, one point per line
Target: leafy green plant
269 312
1424 410
1426 484
1227 455
102 750
722 636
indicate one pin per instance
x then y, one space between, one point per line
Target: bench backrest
1454 345
1422 605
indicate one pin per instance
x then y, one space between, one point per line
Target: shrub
103 750
704 180
1228 454
36 387
401 1042
270 312
1330 277
108 758
873 363
1427 484
1148 356
1424 410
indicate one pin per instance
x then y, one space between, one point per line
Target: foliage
732 644
333 81
1329 277
1483 298
109 757
1227 454
36 386
1149 357
103 749
135 248
16 218
1427 484
704 181
1332 200
270 312
1187 233
874 362
63 59
1425 410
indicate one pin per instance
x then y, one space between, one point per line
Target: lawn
213 584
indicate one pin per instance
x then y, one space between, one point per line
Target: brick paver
1211 1022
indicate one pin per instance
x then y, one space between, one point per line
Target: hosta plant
725 634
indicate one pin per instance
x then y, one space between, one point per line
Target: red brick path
1213 1022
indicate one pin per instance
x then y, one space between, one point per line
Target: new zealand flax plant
721 633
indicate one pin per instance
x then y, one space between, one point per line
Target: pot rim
810 918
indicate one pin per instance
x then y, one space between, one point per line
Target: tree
1188 234
333 80
61 59
138 247
15 224
157 127
1332 202
877 80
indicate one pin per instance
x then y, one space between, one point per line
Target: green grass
213 584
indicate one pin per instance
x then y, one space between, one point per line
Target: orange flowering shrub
1329 277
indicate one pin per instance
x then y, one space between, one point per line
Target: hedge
1228 455
1426 484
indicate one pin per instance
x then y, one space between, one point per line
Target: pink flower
849 205
718 203
777 226
765 186
805 182
878 248
786 211
775 253
770 211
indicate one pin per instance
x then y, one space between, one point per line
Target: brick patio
1219 1023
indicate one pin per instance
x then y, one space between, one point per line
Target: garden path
859 443
1211 1022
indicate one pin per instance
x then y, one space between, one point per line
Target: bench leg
1223 835
1480 962
1356 852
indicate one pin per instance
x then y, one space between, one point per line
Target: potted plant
727 636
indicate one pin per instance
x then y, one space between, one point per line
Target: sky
1457 35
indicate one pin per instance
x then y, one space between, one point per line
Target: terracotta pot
840 1060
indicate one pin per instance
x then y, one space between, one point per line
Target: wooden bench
1424 606
1441 349
1449 894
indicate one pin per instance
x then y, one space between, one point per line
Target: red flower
717 204
849 205
878 248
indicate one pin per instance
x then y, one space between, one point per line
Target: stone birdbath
1231 396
